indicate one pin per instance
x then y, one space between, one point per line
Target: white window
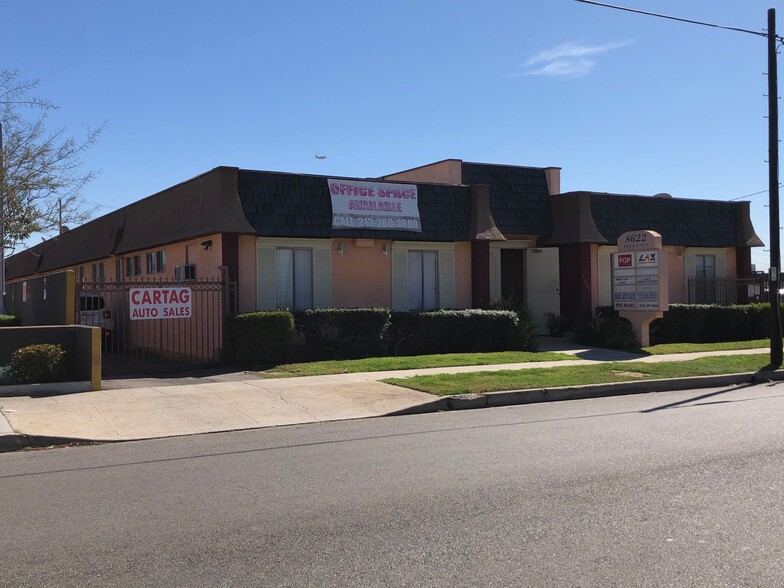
423 275
156 262
422 280
185 273
293 273
706 272
293 278
133 265
705 267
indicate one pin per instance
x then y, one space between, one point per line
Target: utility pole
773 193
2 224
776 358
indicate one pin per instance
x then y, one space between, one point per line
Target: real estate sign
639 273
160 303
374 205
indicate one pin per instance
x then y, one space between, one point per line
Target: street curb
15 441
536 395
49 389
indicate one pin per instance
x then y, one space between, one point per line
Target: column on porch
482 232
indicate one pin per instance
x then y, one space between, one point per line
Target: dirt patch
631 374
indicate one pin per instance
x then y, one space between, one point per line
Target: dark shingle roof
519 198
295 205
693 223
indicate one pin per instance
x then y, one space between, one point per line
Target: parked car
93 313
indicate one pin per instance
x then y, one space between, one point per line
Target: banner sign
160 303
374 205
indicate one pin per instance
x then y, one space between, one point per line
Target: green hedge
259 338
712 323
344 332
9 320
607 329
37 364
455 331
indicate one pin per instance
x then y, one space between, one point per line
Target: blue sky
622 102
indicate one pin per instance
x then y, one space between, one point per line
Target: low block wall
47 300
82 347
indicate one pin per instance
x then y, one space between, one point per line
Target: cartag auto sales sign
160 303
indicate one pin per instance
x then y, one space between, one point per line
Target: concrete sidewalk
150 408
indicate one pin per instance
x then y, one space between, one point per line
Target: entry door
513 274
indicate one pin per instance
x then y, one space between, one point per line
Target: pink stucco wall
442 172
362 276
676 276
246 284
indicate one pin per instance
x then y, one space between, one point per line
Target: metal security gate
158 326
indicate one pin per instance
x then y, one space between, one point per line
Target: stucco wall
362 276
443 172
676 276
246 281
463 274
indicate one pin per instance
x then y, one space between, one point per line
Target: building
451 234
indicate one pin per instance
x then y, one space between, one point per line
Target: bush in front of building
607 329
344 332
259 338
709 323
455 331
526 327
9 320
38 364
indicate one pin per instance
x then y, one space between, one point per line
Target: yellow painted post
95 359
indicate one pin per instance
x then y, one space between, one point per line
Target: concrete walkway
149 408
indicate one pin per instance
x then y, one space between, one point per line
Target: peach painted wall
443 172
553 175
246 282
676 276
732 263
463 274
207 262
362 276
595 277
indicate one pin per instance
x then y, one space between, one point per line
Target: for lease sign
160 303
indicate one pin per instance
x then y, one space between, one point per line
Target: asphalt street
668 489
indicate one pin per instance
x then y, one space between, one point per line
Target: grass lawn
381 364
479 382
666 348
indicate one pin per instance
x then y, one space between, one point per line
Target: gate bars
196 339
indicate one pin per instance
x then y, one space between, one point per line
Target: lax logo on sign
650 258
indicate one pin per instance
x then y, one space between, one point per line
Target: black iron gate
151 325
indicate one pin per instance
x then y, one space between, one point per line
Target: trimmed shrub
455 331
709 323
344 332
608 330
259 338
6 376
9 320
37 364
526 327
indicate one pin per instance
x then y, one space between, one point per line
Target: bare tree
41 176
42 179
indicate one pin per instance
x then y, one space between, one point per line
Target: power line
752 194
697 22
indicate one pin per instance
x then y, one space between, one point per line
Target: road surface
670 489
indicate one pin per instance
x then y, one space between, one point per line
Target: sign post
640 280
